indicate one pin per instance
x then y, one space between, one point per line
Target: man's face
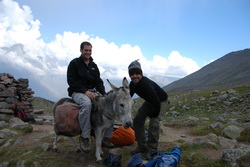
135 77
86 51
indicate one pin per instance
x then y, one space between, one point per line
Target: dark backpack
20 113
113 161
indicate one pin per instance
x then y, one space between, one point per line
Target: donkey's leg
77 147
98 144
55 143
101 138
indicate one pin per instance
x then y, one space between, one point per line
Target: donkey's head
123 103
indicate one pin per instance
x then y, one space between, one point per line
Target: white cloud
47 62
17 24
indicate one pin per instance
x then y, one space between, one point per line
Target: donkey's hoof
54 149
100 162
78 150
86 151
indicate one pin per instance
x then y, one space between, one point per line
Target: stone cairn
14 93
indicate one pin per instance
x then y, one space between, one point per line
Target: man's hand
91 95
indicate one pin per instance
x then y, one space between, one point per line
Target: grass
244 160
245 135
41 103
193 157
205 130
197 159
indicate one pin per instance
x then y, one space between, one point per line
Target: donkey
118 102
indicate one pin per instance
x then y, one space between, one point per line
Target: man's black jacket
150 92
82 77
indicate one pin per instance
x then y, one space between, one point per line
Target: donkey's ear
125 83
114 88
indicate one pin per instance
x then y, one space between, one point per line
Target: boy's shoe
139 150
84 144
106 143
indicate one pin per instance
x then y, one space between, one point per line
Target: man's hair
85 43
133 71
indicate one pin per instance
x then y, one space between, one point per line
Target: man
83 78
155 101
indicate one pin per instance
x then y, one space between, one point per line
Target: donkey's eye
122 105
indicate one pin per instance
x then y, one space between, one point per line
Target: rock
18 140
227 103
7 93
7 143
234 99
15 120
215 92
17 123
5 105
4 164
174 113
191 118
14 93
20 164
227 143
6 111
231 132
202 99
7 133
210 138
221 119
215 125
39 121
38 111
204 119
20 126
46 117
3 124
45 146
183 136
231 91
222 97
231 155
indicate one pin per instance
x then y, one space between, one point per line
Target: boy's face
135 77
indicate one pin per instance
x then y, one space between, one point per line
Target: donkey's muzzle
127 125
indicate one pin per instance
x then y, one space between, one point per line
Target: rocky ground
201 123
41 132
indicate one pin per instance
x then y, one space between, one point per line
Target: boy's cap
134 64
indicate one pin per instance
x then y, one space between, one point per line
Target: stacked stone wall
14 93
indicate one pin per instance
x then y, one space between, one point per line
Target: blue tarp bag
170 159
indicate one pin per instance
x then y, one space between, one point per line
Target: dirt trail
39 131
171 134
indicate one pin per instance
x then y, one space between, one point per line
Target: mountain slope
230 70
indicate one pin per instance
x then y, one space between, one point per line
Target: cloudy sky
172 38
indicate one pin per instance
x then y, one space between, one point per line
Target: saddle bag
66 120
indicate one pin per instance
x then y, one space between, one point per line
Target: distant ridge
231 70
